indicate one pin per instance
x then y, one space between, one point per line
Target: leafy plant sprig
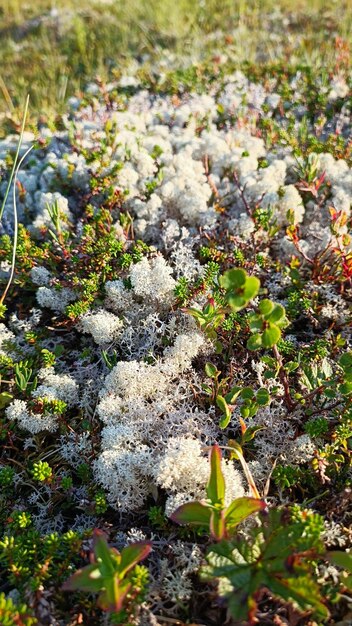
276 557
110 573
266 325
213 513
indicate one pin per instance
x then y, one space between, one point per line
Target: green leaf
133 554
345 360
236 302
112 596
211 370
341 559
240 509
251 287
224 421
291 366
271 336
236 450
262 397
5 399
194 513
345 389
250 433
329 392
102 553
222 404
245 411
247 393
217 524
265 306
86 579
233 279
233 394
216 484
276 314
254 342
255 322
302 592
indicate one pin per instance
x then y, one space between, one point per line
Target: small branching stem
284 380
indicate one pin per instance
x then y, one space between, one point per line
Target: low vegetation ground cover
175 343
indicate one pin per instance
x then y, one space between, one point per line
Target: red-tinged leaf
216 484
194 513
217 524
86 579
102 552
112 597
243 426
240 509
133 554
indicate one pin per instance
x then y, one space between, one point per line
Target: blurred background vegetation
53 48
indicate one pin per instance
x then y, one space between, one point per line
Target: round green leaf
245 411
266 306
271 336
345 389
254 342
345 360
247 393
262 397
255 322
277 313
236 302
251 287
233 279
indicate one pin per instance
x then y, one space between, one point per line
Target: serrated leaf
254 342
329 392
216 484
240 509
302 592
194 513
271 336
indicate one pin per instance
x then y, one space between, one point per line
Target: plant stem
16 158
